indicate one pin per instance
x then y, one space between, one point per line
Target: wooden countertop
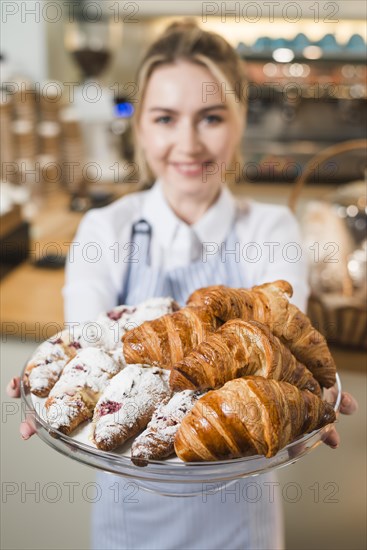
31 302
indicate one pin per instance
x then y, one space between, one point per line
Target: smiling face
182 129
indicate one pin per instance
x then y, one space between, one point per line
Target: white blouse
269 246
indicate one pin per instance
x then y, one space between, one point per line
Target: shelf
340 58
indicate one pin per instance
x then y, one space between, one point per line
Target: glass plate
171 476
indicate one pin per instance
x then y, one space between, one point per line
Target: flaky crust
166 340
269 304
249 416
236 349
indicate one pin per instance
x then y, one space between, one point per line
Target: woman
186 232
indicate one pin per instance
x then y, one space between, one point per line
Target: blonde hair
184 40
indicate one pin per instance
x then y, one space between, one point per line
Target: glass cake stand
172 476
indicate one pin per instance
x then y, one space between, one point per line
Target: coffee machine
91 37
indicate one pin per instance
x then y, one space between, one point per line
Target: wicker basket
341 319
344 325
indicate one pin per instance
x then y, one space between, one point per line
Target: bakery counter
31 300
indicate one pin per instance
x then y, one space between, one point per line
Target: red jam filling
169 421
115 315
109 407
79 367
75 345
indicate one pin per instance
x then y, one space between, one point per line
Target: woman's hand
348 405
13 390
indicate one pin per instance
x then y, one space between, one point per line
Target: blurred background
67 97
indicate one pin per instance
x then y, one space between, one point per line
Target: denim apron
246 514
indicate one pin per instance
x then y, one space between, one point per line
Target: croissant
269 304
46 364
236 349
127 404
249 416
166 340
74 396
115 322
156 442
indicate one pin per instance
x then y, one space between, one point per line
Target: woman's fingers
26 430
13 388
331 438
348 404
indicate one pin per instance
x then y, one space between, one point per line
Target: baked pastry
49 359
249 416
152 309
74 396
269 304
236 349
46 364
114 323
127 404
157 440
168 339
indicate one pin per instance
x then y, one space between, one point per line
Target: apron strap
141 226
141 235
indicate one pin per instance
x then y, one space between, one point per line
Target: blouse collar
213 226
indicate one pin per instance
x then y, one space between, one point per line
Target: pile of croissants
249 363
